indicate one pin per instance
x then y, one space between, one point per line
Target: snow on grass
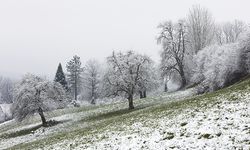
218 120
226 125
71 120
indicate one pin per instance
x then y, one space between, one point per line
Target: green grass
20 133
116 119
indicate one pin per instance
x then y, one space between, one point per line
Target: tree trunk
183 78
166 87
130 101
141 95
184 82
144 94
92 93
92 100
75 86
40 112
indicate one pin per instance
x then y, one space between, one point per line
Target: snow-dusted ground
163 122
71 121
224 124
211 129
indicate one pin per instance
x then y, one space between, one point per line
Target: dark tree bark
165 87
40 112
183 78
93 101
144 94
141 95
130 101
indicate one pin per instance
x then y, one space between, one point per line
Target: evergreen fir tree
60 77
75 75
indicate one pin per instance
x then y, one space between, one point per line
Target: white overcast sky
35 35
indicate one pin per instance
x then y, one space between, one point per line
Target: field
178 120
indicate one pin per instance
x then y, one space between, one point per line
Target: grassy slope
119 119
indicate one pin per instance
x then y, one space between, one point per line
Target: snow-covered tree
229 32
149 78
75 75
201 26
91 80
6 90
34 94
2 115
126 74
173 40
60 77
245 53
218 66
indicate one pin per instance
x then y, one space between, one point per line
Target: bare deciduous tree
36 95
200 28
91 80
125 74
229 32
149 78
6 90
173 40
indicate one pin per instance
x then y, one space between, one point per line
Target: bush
245 53
221 66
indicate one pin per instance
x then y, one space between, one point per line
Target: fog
35 35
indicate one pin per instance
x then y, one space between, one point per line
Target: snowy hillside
219 120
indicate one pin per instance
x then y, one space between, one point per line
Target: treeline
125 74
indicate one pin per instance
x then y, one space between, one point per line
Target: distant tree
173 40
201 26
60 77
75 74
149 78
125 74
34 94
245 54
229 32
91 80
2 115
166 76
218 66
6 90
